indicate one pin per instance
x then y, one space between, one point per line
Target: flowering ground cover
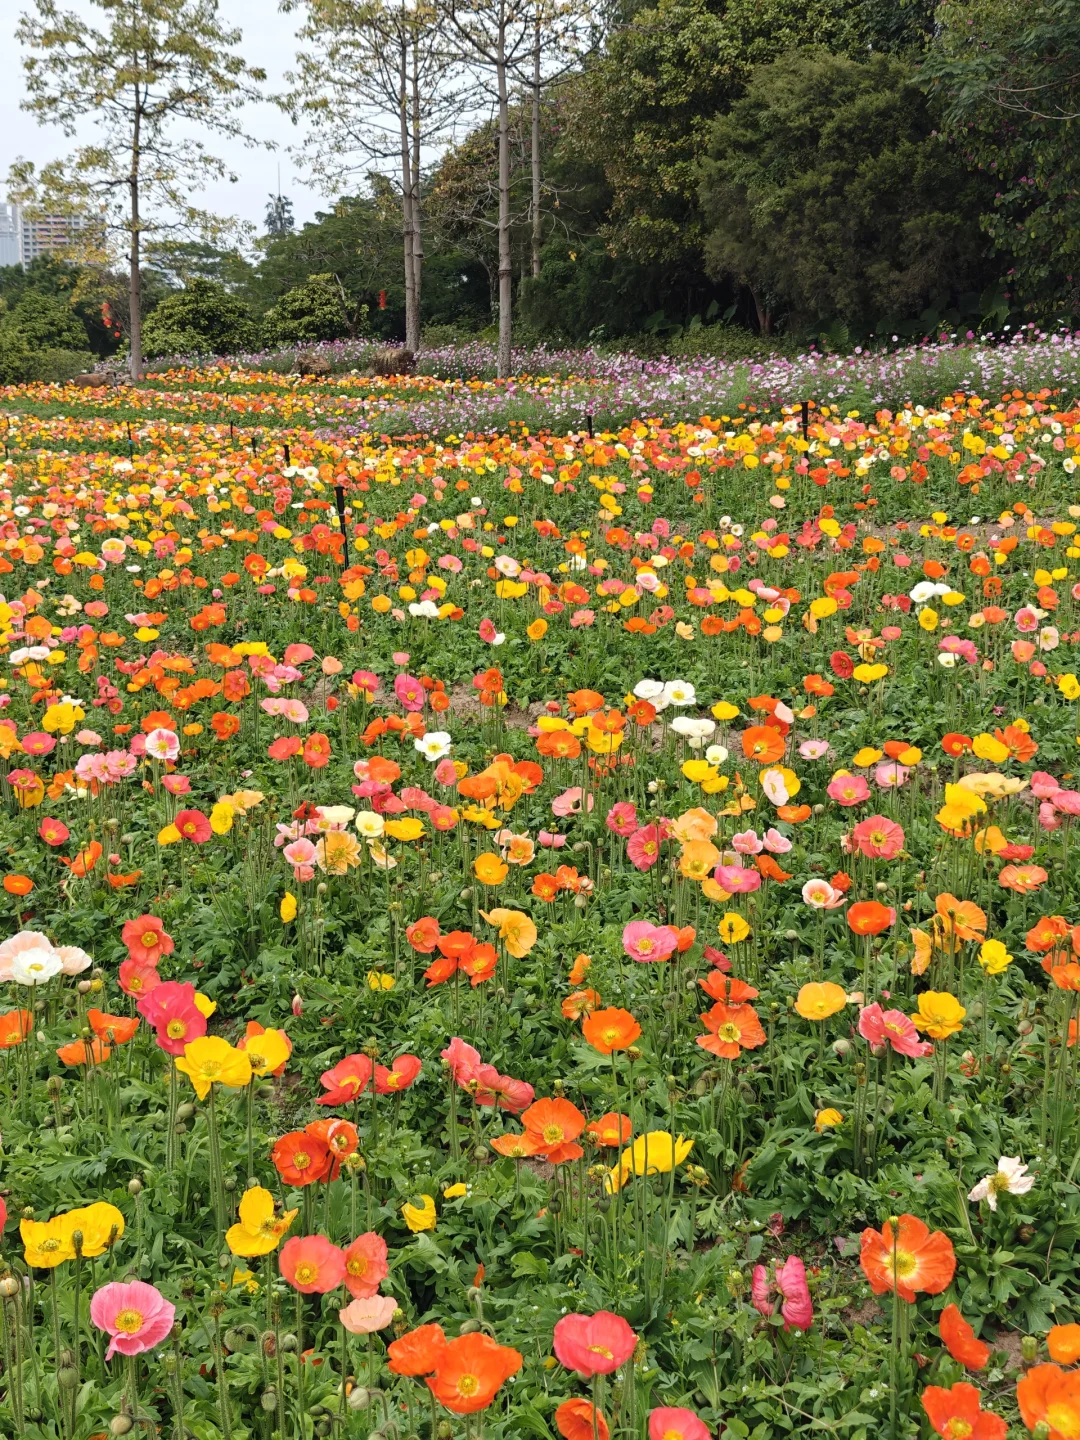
579 942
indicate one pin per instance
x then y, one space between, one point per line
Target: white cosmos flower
35 967
434 745
679 692
370 824
716 754
1010 1176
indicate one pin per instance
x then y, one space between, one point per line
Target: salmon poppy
470 1370
1052 1395
146 939
912 1259
731 1028
593 1344
312 1264
365 1265
577 1420
399 1076
961 1341
581 1002
719 986
423 934
957 1412
346 1081
417 1352
609 1030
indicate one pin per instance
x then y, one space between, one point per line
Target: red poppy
193 825
399 1076
346 1081
841 664
960 1339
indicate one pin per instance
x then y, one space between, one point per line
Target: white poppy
1010 1176
434 745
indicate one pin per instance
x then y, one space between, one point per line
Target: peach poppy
962 917
79 1052
582 1002
912 1259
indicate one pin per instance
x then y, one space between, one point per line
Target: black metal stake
805 418
131 447
588 420
230 429
255 444
339 496
288 457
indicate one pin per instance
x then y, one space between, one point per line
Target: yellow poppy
818 1000
489 869
213 1061
733 928
259 1230
420 1217
939 1014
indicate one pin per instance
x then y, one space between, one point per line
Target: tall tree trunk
412 319
537 221
506 267
418 240
135 363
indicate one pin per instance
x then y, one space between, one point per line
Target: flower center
149 939
601 1350
130 1322
305 1274
468 1385
301 1160
553 1134
357 1266
957 1429
175 1029
729 1033
904 1264
1062 1418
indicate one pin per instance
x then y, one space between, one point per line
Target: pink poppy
1067 802
736 880
622 819
446 772
849 789
1049 819
814 749
367 1314
409 691
367 682
776 843
462 1060
821 896
892 1027
643 847
1022 651
878 838
312 1264
593 1344
135 1315
570 802
646 942
790 1281
582 618
550 840
746 842
176 784
38 743
890 776
1043 786
298 653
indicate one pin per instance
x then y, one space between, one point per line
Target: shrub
202 319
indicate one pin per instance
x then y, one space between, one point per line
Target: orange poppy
1044 934
470 1371
14 1027
911 1260
78 1052
731 1028
1051 1394
417 1352
957 1412
1063 1342
870 917
558 745
18 884
582 701
582 1002
577 1420
117 1029
962 916
121 882
763 743
612 1029
611 1129
515 1147
581 964
961 1341
554 1125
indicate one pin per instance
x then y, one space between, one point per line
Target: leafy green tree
320 309
1007 76
154 69
828 194
202 319
46 322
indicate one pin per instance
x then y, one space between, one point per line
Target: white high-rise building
23 239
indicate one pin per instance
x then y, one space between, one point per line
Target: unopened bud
1029 1349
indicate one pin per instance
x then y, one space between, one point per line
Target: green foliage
41 338
202 319
827 192
316 310
1005 73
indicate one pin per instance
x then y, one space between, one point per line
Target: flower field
525 932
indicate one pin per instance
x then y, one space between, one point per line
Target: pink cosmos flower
136 1316
646 942
790 1281
849 789
736 880
622 818
892 1027
366 1315
878 838
643 847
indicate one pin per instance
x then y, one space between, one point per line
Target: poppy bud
135 1186
9 1287
288 1344
120 1424
268 1400
1042 1431
268 1344
359 1398
1029 1349
469 1327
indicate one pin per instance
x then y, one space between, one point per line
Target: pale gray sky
269 41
